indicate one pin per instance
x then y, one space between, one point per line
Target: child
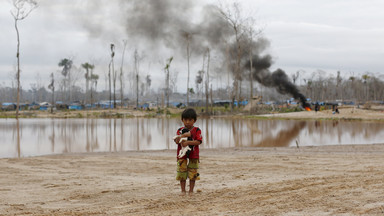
188 165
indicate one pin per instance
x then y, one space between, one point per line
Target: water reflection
30 137
284 138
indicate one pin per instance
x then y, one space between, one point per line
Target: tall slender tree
113 74
137 65
188 37
122 74
232 15
88 67
94 78
207 80
167 91
51 86
66 72
22 8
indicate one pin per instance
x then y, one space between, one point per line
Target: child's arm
190 142
188 134
178 137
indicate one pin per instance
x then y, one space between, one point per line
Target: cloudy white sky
308 35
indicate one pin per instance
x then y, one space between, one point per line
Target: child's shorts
187 170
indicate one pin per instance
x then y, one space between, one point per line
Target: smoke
171 23
277 79
156 21
155 24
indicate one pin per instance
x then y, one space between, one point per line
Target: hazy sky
309 35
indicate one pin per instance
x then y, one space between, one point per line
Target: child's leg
182 173
191 185
182 185
193 175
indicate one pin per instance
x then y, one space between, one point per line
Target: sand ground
325 180
346 113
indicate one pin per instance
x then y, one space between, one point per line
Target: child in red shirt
188 165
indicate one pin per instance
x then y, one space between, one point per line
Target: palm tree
87 68
66 72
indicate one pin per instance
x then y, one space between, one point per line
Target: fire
307 108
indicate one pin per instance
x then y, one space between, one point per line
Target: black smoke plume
277 79
159 23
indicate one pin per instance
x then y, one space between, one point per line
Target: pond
33 137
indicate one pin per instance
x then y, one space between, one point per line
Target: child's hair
189 113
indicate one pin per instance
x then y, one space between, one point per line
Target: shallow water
32 137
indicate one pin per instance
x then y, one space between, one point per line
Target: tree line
234 39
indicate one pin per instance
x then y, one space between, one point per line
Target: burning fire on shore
307 108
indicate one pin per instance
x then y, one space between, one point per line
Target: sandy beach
325 180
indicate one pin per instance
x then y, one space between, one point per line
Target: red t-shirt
195 135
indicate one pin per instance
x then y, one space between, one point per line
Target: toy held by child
185 135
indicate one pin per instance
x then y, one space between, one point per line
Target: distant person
188 164
317 107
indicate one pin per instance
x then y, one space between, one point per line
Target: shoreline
312 180
346 113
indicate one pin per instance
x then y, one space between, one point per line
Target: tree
22 8
365 78
338 84
66 72
251 34
122 74
207 80
188 38
352 78
137 59
94 78
51 86
233 17
88 67
113 74
166 69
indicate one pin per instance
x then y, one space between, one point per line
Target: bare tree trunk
167 79
238 70
188 55
110 89
18 70
86 86
167 87
53 99
211 99
91 88
70 87
207 82
52 87
137 91
111 67
137 59
114 79
122 75
251 73
20 13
